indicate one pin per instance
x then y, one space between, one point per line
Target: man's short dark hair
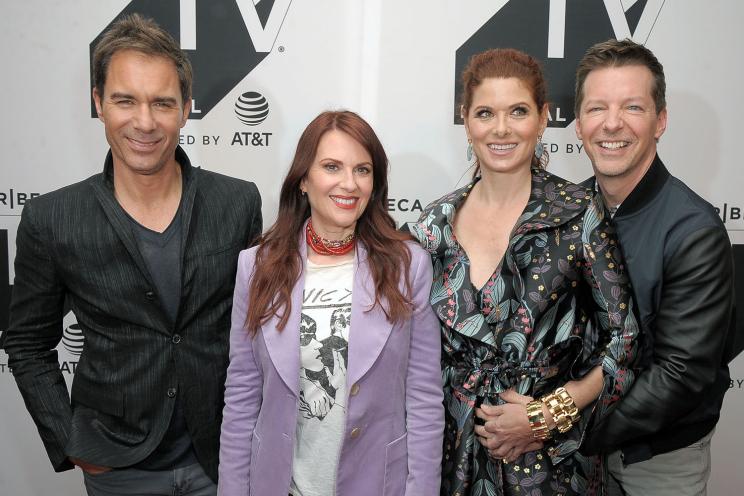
135 32
620 53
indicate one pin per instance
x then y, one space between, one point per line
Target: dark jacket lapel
103 186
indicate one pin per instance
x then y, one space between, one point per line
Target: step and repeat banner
397 63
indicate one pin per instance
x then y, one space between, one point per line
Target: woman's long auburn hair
278 262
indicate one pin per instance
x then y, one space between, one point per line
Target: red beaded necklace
323 246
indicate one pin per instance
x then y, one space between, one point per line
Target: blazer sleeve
424 395
34 331
243 392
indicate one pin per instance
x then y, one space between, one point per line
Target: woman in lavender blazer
334 382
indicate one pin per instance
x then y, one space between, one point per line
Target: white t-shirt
324 344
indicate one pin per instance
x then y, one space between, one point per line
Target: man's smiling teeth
494 146
613 145
343 201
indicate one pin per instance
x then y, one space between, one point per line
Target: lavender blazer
392 443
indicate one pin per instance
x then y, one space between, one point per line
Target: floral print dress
558 305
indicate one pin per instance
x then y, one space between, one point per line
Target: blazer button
354 389
171 392
176 339
150 295
355 432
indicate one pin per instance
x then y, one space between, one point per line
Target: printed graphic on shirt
324 344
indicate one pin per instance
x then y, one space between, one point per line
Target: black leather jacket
681 266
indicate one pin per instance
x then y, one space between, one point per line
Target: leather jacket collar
646 189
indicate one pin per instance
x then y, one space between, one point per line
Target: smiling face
504 123
310 355
142 112
338 184
618 122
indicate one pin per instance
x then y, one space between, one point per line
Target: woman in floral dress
532 295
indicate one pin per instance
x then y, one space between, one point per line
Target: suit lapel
190 181
117 218
284 346
370 329
187 207
104 191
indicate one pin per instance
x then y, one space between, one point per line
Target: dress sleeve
613 332
614 319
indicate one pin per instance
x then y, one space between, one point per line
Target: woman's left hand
507 433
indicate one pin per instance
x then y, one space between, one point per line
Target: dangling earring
539 148
303 192
469 152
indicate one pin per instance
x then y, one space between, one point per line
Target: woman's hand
507 433
319 403
339 368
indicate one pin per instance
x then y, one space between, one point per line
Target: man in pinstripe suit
145 255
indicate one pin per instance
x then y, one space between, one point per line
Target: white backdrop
392 61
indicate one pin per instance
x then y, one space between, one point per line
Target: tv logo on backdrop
557 33
224 39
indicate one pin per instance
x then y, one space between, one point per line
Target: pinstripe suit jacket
76 249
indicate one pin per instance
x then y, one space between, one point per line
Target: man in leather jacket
680 263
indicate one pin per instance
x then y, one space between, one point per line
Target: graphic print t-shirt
324 344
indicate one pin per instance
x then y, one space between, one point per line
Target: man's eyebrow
165 99
158 99
118 96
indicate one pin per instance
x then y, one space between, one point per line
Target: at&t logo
251 108
71 347
73 339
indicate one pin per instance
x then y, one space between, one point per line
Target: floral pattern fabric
558 305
